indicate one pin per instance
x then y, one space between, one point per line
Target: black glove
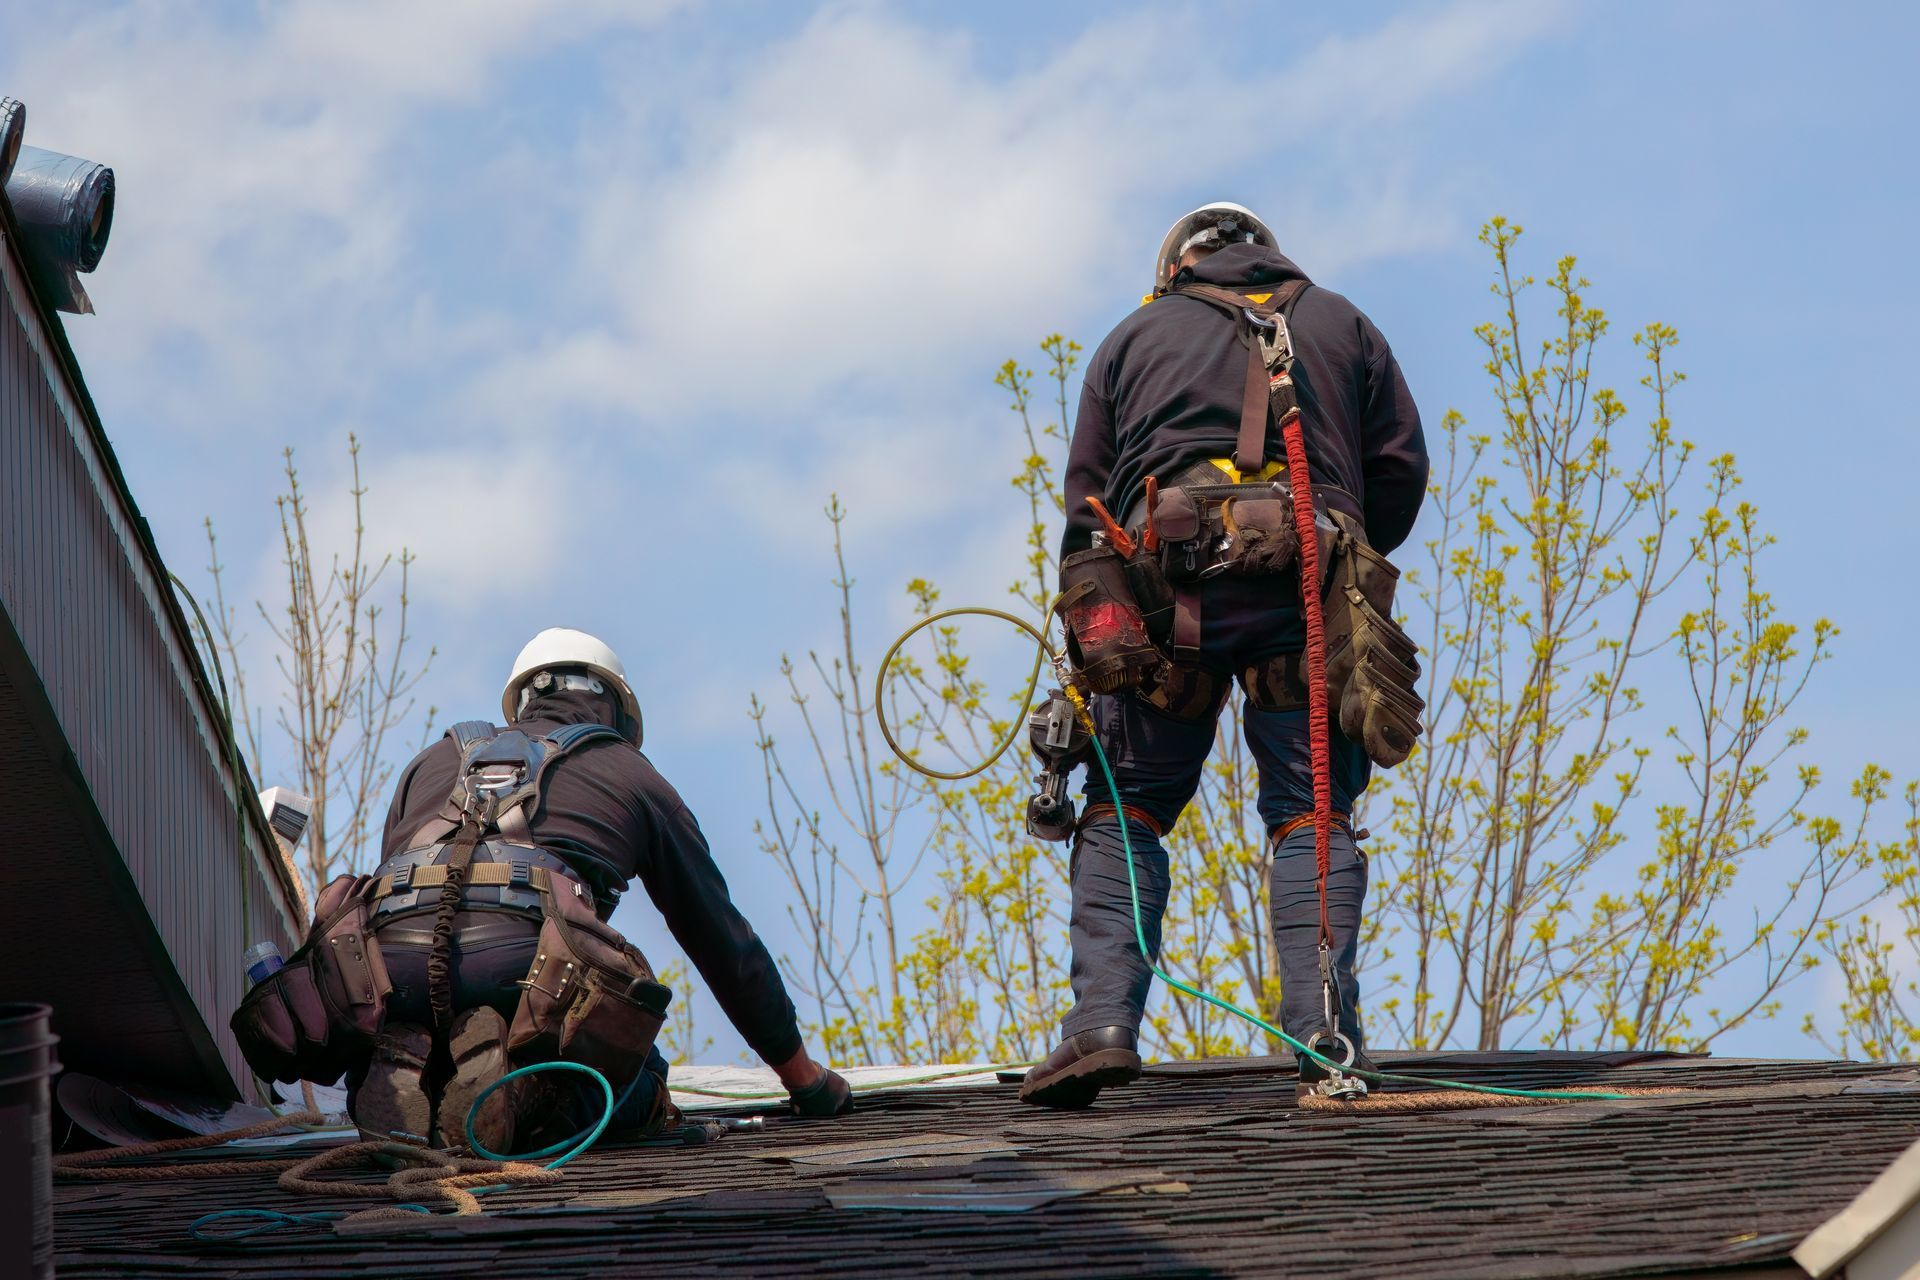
828 1096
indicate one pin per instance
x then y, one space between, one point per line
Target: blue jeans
1157 759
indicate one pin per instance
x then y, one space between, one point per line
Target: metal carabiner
1276 344
1326 987
1338 1085
1340 1041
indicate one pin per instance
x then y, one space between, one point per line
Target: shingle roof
1202 1168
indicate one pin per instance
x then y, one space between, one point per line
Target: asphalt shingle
1200 1169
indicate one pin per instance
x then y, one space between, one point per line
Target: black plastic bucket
26 1141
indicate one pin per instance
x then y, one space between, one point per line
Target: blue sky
618 293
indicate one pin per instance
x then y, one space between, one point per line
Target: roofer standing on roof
1180 415
509 961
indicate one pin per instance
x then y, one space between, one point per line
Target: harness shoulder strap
468 732
466 735
558 744
569 736
1269 395
516 810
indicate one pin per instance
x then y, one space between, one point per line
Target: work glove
830 1095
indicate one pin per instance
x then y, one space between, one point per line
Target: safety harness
1260 321
497 789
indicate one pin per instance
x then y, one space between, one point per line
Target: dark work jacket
611 816
1164 391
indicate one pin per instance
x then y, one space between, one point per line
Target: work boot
477 1043
391 1101
1311 1072
1084 1064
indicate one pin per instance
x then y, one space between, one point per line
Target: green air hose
563 1151
1046 651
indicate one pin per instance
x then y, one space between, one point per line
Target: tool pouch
283 1030
1372 665
1379 710
1242 529
347 963
1153 594
590 996
1259 535
1106 631
314 1018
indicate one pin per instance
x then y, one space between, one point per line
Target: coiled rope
1043 651
446 1177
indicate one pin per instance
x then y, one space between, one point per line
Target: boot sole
391 1102
1078 1083
478 1046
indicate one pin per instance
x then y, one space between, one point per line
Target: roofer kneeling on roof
1197 584
481 944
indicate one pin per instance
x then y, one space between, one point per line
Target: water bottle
263 960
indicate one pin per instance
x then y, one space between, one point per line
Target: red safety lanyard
1320 747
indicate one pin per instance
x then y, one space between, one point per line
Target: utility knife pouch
590 996
1182 533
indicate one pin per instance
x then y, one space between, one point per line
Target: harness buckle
522 873
403 879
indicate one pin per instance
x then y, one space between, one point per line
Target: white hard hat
1219 223
558 647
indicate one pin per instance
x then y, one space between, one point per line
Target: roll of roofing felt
65 209
13 129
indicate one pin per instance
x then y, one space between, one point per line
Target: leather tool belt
590 996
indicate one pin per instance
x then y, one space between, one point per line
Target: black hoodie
610 816
1164 391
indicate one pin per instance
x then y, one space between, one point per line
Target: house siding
126 714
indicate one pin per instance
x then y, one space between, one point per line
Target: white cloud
265 207
449 509
1409 61
868 205
909 213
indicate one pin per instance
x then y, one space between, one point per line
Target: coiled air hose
1045 651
